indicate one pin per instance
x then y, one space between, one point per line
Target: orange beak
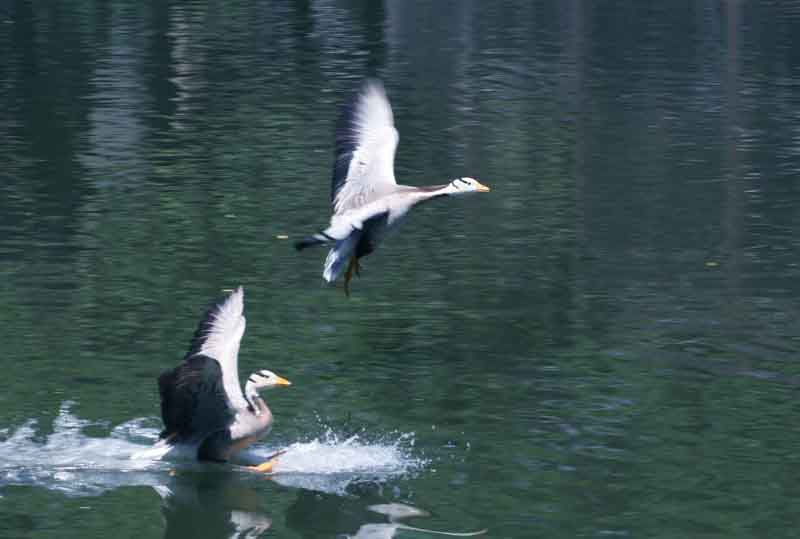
282 381
482 188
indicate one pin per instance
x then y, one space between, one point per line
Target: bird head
266 379
467 185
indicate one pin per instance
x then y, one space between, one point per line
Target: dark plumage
192 390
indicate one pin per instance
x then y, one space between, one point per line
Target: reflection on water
207 499
397 512
210 505
220 505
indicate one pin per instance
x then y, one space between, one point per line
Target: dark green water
604 345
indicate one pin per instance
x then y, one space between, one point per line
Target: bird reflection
211 505
221 505
326 515
395 512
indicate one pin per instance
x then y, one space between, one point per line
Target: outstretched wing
366 141
218 336
202 394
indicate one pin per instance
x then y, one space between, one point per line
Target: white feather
371 169
222 343
343 224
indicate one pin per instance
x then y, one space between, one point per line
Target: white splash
73 463
76 464
332 464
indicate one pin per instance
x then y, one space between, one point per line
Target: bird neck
254 399
448 189
421 194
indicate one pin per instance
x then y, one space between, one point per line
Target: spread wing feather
202 394
218 336
366 140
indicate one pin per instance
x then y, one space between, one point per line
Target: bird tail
339 256
334 264
317 239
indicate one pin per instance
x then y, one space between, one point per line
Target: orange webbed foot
264 467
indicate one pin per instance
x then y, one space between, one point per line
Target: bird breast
252 426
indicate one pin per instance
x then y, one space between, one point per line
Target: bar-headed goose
202 403
366 199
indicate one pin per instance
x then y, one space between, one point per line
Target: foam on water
76 464
331 463
73 463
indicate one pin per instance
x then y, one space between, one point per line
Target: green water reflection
605 344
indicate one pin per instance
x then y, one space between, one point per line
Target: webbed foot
264 467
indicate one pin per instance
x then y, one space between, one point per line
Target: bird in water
366 199
202 403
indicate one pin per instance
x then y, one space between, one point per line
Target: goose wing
366 141
202 395
193 401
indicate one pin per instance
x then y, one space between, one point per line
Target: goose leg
357 266
349 275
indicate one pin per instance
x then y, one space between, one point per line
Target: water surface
605 344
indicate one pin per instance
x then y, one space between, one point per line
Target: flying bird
367 201
202 403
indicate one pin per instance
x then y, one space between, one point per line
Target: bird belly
374 231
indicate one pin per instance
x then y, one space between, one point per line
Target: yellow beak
482 188
282 381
